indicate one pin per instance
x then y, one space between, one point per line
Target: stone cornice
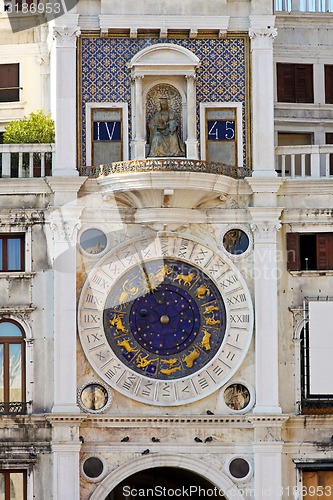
321 186
166 421
303 20
163 23
33 185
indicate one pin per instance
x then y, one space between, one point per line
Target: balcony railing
303 5
14 408
304 161
26 160
165 165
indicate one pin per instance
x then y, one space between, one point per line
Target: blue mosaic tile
105 77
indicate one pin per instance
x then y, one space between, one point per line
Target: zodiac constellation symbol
191 357
202 291
127 292
117 322
143 361
127 346
185 278
205 343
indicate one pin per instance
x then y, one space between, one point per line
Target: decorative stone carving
164 133
66 37
65 230
262 32
265 230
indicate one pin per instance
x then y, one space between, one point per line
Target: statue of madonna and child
164 133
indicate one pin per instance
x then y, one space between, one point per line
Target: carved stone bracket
66 36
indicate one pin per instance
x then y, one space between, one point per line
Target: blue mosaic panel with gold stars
105 77
165 321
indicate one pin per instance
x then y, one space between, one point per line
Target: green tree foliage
36 128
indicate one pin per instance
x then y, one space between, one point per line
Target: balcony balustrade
26 160
303 6
300 162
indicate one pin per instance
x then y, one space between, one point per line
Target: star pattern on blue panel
105 76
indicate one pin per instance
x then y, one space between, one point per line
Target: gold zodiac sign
127 292
211 321
125 343
191 357
117 322
202 291
210 309
142 362
186 279
169 362
168 371
205 343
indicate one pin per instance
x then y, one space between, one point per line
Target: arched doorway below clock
165 482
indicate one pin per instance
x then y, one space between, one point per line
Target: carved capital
191 79
262 32
65 230
66 37
265 231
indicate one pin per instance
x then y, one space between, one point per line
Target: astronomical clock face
165 321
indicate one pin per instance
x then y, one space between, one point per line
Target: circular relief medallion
165 321
94 398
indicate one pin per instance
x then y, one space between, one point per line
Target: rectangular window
13 484
221 143
294 82
221 137
329 140
9 83
107 141
12 252
329 83
309 251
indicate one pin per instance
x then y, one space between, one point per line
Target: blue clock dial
165 320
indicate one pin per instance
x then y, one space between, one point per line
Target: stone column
63 96
64 222
138 146
265 224
191 141
262 34
267 448
66 456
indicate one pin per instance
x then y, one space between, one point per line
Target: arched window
12 368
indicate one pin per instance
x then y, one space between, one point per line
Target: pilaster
66 456
139 143
191 141
265 224
262 34
64 223
267 448
63 94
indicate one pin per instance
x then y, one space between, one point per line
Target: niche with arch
164 71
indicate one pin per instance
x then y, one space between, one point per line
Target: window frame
4 237
310 403
106 106
289 80
328 76
10 88
9 407
215 106
323 251
7 473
